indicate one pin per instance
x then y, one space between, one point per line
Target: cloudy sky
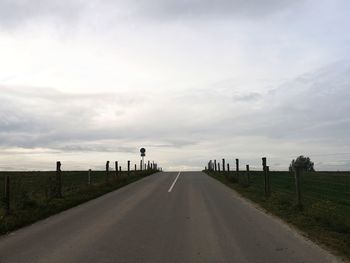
191 80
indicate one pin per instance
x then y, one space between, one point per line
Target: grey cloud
47 118
88 147
312 107
15 12
32 117
175 143
175 9
67 12
247 97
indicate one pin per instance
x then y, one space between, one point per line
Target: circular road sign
142 150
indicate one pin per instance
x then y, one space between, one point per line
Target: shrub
303 163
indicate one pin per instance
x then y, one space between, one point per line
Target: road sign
143 152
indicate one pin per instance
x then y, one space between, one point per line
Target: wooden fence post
107 171
215 166
120 169
237 169
7 195
135 167
223 165
128 167
265 177
219 167
297 173
148 165
89 177
268 180
141 165
58 180
228 167
248 174
116 168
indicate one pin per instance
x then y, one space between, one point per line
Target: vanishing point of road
166 217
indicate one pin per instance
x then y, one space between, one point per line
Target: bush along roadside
30 206
325 221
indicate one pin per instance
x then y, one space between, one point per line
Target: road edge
298 233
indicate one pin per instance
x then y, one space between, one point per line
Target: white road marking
172 186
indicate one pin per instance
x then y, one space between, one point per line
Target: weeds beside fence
325 213
34 195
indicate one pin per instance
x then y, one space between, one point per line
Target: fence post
215 166
141 165
297 172
223 165
89 177
59 180
248 175
135 167
210 166
228 167
116 168
128 167
265 176
237 169
268 180
7 195
219 167
120 169
107 171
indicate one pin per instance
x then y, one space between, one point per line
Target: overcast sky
85 81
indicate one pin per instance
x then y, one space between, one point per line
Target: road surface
167 217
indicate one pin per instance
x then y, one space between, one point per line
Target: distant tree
302 162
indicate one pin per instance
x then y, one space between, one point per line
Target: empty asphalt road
167 217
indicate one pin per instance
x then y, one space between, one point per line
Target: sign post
143 154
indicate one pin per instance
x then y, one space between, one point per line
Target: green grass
325 215
32 199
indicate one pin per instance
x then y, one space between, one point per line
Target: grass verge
35 211
322 221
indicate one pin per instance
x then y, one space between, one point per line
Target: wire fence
26 190
316 186
325 196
